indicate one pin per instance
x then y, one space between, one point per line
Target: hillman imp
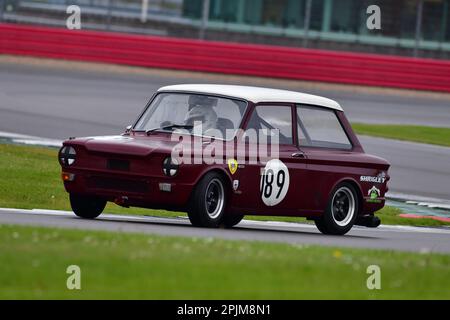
220 152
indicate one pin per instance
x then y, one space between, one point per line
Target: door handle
299 154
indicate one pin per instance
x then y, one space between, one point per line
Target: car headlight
67 156
170 166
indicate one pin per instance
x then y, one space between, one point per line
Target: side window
319 127
273 117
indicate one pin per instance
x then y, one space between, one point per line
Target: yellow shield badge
232 165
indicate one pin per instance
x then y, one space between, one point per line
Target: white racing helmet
201 110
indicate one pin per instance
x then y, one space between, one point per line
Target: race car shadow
249 229
312 232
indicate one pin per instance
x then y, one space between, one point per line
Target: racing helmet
201 110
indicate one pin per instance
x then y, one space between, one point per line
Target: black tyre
208 201
86 206
230 220
341 211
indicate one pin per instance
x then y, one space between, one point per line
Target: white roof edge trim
255 94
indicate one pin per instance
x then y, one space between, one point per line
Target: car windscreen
193 112
320 127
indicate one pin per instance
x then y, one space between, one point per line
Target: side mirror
128 129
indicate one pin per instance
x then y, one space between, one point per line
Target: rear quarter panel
328 168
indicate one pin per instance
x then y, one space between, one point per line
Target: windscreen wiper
172 126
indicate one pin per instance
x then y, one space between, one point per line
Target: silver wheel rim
214 198
343 206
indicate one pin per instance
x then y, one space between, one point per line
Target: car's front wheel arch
214 184
223 174
359 195
357 188
219 170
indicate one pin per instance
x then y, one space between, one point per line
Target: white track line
249 223
30 140
420 200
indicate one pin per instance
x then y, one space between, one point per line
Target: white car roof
255 94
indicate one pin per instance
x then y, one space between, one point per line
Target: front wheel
87 207
341 211
208 201
230 220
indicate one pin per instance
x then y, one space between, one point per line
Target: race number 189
274 182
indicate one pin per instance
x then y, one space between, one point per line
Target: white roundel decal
274 183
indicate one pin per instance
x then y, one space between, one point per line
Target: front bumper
140 191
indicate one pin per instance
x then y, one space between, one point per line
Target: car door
328 149
271 184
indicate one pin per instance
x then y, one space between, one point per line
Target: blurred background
57 82
96 83
409 27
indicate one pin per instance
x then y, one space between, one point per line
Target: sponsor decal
232 165
374 194
274 183
381 178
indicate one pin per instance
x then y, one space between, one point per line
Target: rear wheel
341 211
87 207
208 201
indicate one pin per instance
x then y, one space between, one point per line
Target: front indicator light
67 177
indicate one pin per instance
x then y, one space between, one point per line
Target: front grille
117 184
119 165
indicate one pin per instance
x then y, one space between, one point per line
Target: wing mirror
128 129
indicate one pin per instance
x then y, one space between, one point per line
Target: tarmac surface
414 239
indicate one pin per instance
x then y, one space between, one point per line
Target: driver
201 109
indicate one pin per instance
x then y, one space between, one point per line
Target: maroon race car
220 152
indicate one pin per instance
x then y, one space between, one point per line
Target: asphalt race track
413 239
59 102
416 169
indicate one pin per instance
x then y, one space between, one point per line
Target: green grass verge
139 266
424 134
390 215
30 178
